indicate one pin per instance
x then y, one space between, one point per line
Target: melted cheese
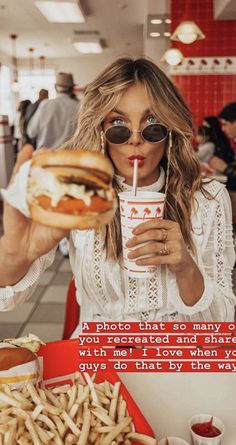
43 182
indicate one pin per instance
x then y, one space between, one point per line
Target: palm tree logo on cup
147 211
158 211
134 212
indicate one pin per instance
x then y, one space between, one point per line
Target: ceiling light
88 47
172 56
61 12
167 34
156 21
155 34
168 21
13 38
187 32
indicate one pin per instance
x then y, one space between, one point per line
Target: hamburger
11 356
19 361
71 189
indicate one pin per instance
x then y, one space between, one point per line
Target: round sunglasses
120 134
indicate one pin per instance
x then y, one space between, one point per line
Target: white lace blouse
104 292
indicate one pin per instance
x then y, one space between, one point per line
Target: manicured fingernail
129 242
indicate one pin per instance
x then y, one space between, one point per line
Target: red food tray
61 358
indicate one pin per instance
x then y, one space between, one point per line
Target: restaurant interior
194 43
38 41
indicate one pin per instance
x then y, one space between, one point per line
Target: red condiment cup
198 439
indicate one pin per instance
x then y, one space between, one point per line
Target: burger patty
75 206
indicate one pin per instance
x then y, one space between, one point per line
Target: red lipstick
140 158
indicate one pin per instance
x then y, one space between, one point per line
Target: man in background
43 94
54 121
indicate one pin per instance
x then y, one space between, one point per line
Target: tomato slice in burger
75 206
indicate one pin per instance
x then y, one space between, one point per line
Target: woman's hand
23 240
165 245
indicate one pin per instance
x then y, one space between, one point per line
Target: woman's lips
140 159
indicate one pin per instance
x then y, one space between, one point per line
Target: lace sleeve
11 296
215 259
219 259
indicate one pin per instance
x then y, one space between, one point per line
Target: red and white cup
135 210
197 439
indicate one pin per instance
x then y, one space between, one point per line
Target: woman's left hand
165 245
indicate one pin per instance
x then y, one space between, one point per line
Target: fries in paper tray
71 408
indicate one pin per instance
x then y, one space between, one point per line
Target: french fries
81 414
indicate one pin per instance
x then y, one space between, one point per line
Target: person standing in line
55 120
43 94
19 131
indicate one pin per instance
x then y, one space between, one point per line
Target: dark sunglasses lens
119 134
154 133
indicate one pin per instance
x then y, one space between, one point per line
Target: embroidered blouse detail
106 293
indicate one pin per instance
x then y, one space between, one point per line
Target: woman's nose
135 137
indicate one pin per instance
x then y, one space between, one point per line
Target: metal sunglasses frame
136 131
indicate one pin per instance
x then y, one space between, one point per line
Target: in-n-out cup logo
135 210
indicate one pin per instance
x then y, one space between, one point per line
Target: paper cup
173 441
200 440
135 210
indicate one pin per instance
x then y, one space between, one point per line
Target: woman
132 109
223 148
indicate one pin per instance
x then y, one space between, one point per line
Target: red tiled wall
205 94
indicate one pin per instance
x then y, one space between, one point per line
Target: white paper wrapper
19 375
16 192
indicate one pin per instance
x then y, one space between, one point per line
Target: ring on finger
164 251
163 235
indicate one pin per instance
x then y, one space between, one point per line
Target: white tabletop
169 400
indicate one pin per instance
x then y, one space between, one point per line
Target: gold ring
164 251
163 235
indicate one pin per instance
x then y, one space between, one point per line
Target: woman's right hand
24 240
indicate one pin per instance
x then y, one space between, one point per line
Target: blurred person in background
227 118
205 147
19 133
224 159
43 94
218 137
54 121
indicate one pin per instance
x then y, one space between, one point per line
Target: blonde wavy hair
102 95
